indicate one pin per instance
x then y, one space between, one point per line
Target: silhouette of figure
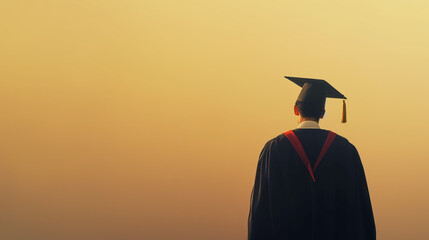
310 182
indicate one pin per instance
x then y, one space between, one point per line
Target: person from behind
310 182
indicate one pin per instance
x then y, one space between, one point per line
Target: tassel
344 117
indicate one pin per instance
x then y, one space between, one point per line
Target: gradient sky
145 119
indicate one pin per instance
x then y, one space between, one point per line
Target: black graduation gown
286 204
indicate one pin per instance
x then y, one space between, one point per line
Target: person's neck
302 119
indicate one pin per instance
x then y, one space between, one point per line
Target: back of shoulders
340 142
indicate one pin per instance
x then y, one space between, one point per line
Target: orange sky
144 119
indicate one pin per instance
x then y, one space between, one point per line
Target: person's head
310 104
310 110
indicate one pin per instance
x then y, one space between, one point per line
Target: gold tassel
344 117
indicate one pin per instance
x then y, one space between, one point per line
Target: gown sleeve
259 220
367 213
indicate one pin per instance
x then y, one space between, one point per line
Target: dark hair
310 110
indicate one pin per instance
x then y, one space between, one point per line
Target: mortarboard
316 91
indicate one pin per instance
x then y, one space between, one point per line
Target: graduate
310 182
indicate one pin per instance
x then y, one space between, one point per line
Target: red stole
298 147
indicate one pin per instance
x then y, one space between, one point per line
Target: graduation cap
315 91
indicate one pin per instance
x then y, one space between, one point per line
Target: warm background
124 120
